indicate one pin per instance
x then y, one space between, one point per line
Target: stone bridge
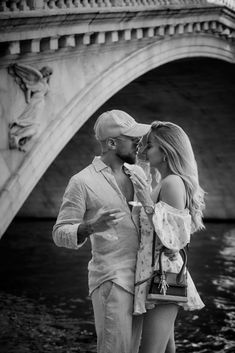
92 49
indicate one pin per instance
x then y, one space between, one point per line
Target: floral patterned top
173 228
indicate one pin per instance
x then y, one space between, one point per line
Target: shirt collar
99 164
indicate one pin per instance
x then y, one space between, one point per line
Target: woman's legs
170 348
158 325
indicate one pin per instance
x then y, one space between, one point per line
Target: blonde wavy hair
176 145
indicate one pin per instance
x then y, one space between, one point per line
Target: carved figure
35 84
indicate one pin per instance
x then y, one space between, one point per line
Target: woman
174 211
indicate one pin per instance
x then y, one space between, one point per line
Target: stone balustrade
45 26
32 5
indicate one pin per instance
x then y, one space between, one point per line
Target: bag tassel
163 285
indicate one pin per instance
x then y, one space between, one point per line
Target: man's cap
114 123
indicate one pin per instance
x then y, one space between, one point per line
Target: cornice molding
49 31
15 6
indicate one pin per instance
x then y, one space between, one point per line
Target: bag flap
171 279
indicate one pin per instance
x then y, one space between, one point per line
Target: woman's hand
142 189
171 254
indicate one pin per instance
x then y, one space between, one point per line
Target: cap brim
137 130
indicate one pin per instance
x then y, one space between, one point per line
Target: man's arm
71 215
70 230
103 220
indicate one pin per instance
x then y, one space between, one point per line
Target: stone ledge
12 49
33 32
15 6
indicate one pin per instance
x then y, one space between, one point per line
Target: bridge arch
114 77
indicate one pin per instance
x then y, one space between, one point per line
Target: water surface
44 303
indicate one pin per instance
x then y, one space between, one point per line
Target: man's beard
127 158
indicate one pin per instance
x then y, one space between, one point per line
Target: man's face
127 148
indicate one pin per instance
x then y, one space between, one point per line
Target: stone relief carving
35 84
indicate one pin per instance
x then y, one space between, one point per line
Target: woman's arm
173 192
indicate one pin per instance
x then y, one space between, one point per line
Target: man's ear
111 143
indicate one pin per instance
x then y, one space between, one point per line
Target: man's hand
103 220
106 219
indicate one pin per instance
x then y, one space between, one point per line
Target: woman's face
155 155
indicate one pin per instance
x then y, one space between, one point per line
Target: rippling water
44 299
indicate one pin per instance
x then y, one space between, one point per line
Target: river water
44 303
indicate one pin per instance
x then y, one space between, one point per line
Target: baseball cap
114 123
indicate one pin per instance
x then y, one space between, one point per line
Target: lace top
173 228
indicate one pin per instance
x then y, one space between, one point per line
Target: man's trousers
118 331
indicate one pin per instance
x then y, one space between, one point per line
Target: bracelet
149 210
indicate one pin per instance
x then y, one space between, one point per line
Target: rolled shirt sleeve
70 215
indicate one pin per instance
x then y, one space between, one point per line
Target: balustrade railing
32 5
11 43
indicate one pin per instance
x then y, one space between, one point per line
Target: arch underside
114 77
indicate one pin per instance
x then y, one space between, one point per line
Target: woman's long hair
176 145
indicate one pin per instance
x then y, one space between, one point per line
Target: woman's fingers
136 178
136 182
171 254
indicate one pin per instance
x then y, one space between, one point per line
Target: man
96 205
